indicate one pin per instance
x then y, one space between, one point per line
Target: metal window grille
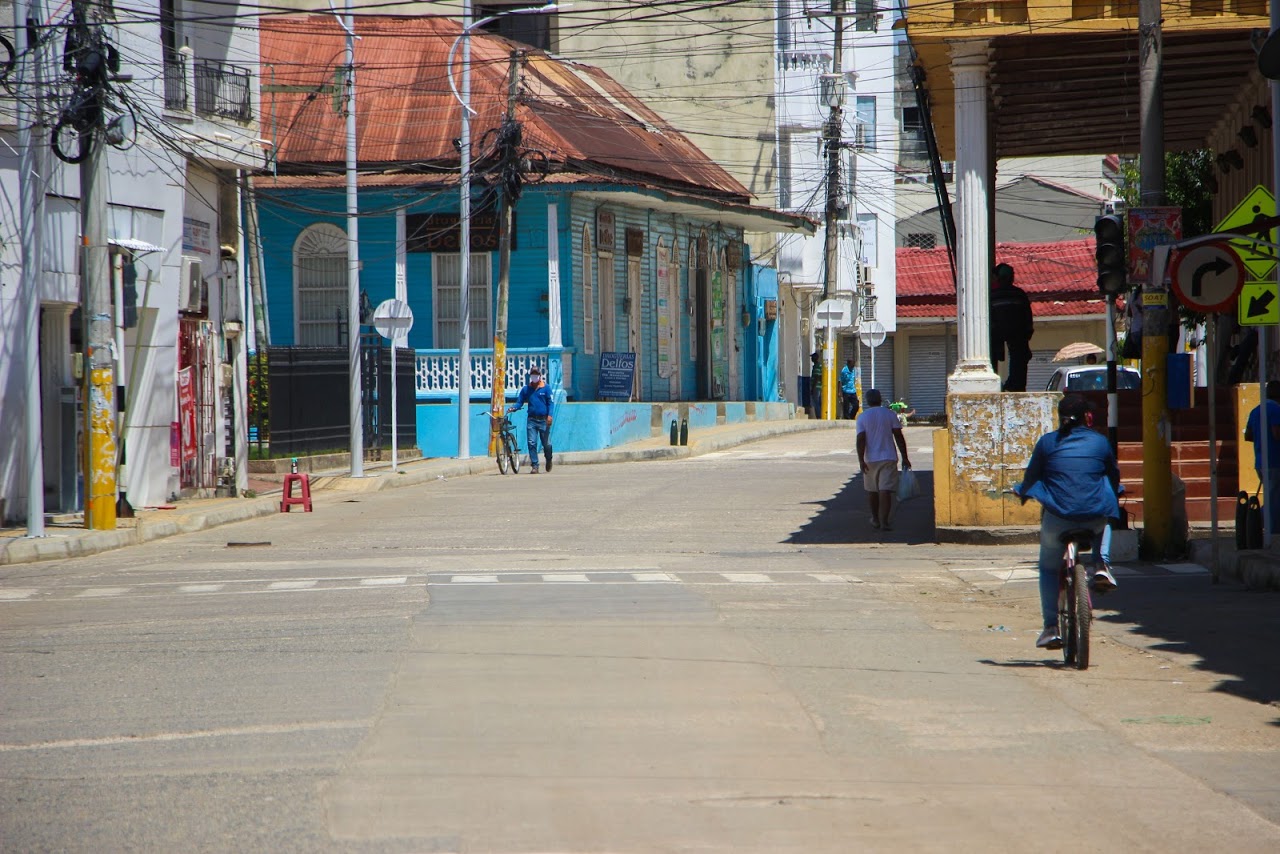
175 83
222 89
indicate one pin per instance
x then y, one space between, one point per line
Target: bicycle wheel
1083 616
502 456
1066 618
513 452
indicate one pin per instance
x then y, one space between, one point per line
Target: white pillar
973 373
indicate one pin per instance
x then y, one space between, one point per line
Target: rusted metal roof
581 119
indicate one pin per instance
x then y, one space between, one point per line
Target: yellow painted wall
984 451
1246 399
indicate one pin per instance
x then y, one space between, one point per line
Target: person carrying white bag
879 442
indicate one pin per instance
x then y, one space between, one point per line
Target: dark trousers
850 401
1019 358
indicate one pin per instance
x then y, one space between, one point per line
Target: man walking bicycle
538 427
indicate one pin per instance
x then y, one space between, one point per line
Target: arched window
320 286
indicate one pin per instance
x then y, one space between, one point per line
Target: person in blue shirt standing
849 389
1074 475
538 426
1252 429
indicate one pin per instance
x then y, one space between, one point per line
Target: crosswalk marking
653 576
474 579
201 588
100 592
747 577
388 581
829 578
17 594
566 577
302 584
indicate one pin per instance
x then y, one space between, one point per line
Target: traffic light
1113 263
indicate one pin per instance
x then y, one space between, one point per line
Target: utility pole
1157 476
91 63
353 259
509 142
32 191
835 148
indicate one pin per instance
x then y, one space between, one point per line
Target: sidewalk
197 514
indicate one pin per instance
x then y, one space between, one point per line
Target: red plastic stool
287 500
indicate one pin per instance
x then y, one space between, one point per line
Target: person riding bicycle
1074 475
538 426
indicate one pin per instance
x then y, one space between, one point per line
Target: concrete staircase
1189 451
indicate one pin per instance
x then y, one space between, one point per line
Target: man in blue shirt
1252 429
849 389
1074 476
538 425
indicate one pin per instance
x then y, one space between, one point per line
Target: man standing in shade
538 426
1252 433
1011 326
849 390
879 441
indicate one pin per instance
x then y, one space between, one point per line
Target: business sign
187 412
440 232
1149 228
617 373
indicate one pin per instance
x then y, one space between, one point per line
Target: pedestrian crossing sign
1259 261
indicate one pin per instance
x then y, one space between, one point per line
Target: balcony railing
438 371
223 90
175 83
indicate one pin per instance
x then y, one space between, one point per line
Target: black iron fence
222 89
300 401
175 82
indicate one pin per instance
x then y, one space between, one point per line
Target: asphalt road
714 654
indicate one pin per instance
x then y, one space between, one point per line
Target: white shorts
881 476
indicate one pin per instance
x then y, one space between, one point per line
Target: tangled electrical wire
507 164
92 62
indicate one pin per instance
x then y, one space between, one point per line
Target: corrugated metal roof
577 115
1060 278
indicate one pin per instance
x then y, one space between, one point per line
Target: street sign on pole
1258 305
1208 278
872 335
1259 263
393 319
835 313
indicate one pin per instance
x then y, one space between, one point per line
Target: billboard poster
1147 229
187 412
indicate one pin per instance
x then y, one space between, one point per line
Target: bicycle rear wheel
1083 616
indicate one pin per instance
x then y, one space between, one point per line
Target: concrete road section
706 654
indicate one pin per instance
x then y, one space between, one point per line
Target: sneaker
1103 580
1049 639
875 523
548 463
533 470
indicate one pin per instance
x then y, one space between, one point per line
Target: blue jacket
848 380
1073 476
539 400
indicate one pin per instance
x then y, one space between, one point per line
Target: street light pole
353 259
464 212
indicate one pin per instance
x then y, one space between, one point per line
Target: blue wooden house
626 238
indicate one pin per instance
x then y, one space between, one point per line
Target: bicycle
508 447
1075 604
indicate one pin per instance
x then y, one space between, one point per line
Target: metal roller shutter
883 379
933 357
1040 369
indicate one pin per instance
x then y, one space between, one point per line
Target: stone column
973 374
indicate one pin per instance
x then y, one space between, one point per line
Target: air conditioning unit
190 286
859 137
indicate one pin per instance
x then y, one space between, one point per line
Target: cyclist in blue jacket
1074 476
538 426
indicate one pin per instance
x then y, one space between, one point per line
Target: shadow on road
1233 631
845 518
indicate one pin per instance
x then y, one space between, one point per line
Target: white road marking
653 576
387 581
566 577
101 592
474 579
747 577
1185 568
828 578
303 584
230 732
17 594
201 588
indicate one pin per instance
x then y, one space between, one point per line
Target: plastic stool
287 500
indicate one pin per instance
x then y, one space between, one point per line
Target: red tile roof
582 119
1059 277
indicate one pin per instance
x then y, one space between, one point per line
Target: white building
186 96
869 137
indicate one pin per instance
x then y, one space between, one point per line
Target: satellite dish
1269 56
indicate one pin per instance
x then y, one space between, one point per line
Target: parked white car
1091 378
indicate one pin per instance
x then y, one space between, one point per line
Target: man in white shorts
879 441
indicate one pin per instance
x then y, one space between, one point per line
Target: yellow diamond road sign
1258 305
1259 261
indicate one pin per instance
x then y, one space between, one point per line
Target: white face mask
535 379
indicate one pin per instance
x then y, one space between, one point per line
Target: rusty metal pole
497 400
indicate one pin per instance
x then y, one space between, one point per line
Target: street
712 654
